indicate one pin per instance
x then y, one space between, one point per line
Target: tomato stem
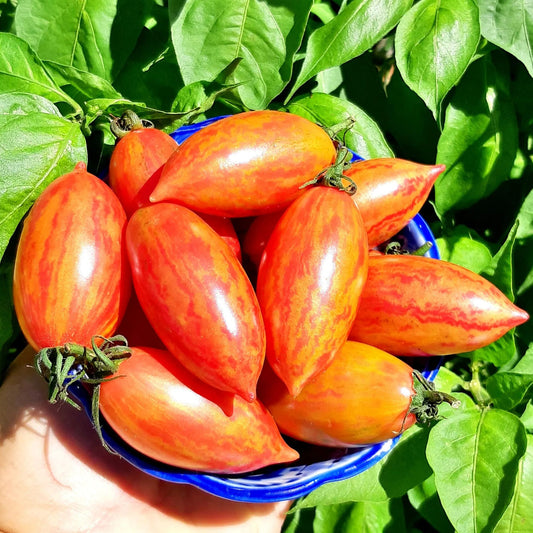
345 125
474 386
61 366
426 400
396 248
333 176
127 122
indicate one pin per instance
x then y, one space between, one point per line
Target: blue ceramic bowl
316 466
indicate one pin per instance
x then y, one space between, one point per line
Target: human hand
55 476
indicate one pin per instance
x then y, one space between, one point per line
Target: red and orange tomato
136 164
197 296
246 164
422 306
71 279
166 413
363 397
309 282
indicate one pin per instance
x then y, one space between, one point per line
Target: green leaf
386 479
79 84
92 35
208 36
509 24
518 517
364 137
525 218
7 14
300 521
358 27
475 457
24 103
200 96
464 247
527 417
410 122
35 148
480 138
449 382
508 389
435 42
370 517
10 330
365 486
500 269
22 71
425 499
151 74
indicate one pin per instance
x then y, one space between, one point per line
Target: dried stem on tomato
127 122
426 401
61 366
333 176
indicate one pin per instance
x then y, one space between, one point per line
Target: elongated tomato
71 278
390 192
136 164
421 306
163 411
362 397
246 164
309 281
197 296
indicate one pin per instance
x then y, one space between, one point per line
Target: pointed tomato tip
436 171
520 316
288 455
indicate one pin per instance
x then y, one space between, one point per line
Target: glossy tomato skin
309 283
197 296
245 164
257 236
362 397
136 164
224 227
71 278
164 412
390 192
422 306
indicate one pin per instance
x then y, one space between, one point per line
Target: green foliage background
446 81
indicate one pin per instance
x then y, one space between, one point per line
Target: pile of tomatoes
245 268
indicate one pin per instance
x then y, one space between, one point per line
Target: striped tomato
309 281
390 192
163 411
71 278
197 296
363 397
421 306
137 161
246 164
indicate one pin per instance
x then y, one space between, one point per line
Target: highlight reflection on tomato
71 278
309 282
363 397
197 296
246 164
166 413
